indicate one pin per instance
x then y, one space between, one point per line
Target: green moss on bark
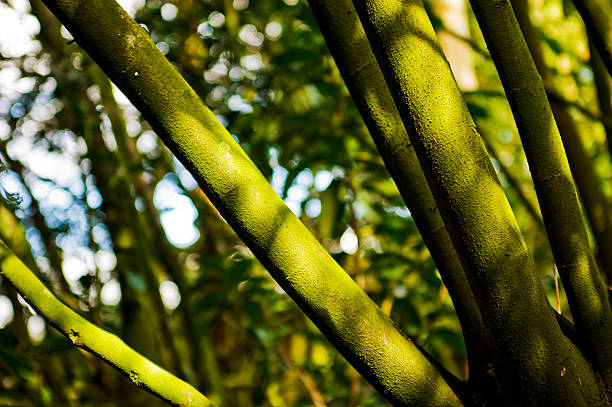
343 312
475 210
141 371
349 46
552 177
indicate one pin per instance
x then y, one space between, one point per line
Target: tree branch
349 46
108 347
341 310
474 208
604 118
552 177
597 16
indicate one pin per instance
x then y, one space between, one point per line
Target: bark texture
475 209
552 177
350 48
343 312
141 371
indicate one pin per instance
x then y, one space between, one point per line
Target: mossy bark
141 371
475 210
595 202
552 178
343 312
350 48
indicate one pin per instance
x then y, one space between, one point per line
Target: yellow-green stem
475 209
141 371
343 312
349 46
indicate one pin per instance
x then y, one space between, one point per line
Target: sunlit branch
108 347
341 310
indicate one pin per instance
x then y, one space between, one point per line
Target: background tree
218 321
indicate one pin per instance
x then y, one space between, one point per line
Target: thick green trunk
552 178
343 312
475 209
350 48
595 202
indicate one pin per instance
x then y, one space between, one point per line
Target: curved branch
108 347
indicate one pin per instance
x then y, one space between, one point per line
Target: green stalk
349 46
552 178
343 312
594 200
141 371
475 210
597 16
596 203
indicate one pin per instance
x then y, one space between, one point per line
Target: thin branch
108 347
